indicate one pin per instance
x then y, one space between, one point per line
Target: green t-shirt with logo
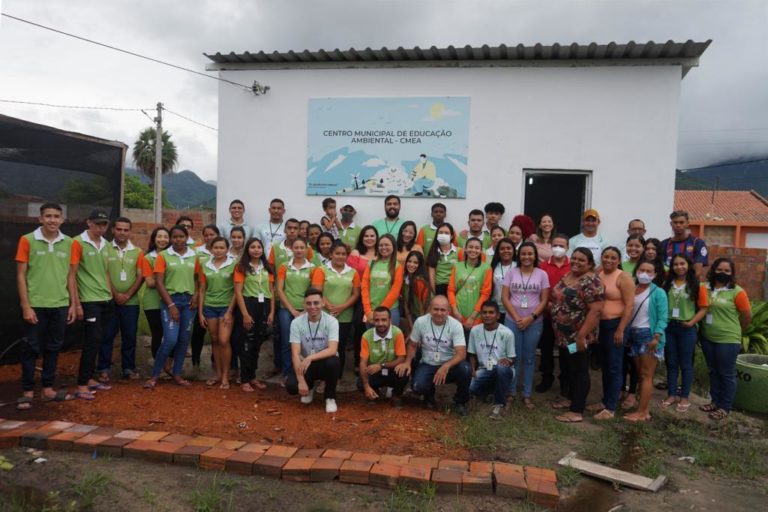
485 238
722 324
445 264
468 281
679 301
428 237
150 297
124 269
92 284
378 352
47 270
380 283
257 282
296 282
179 274
337 289
219 286
350 236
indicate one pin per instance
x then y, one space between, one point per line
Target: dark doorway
561 194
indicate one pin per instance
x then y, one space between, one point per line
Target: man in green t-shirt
443 356
349 232
475 225
124 265
90 253
382 348
428 231
46 284
390 224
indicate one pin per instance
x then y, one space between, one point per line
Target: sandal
681 407
635 418
224 385
103 378
563 404
150 384
710 407
60 396
529 403
100 387
569 419
605 414
181 381
212 381
247 388
85 395
596 407
24 403
667 402
719 414
628 403
260 384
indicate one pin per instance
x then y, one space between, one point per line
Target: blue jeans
175 334
681 344
422 185
497 380
125 320
721 360
285 318
525 352
461 375
612 363
639 338
45 338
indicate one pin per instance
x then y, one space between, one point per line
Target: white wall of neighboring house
618 122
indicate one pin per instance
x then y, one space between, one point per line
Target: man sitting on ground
492 357
382 348
314 350
443 356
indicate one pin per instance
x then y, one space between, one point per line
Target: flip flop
223 385
247 388
596 407
85 395
666 403
634 419
719 414
100 387
260 384
24 403
683 407
561 405
181 381
211 382
568 419
710 407
60 396
529 404
150 384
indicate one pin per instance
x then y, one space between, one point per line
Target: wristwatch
534 316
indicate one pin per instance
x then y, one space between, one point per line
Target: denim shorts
214 311
638 340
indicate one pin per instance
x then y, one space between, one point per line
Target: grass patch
214 497
567 476
93 485
404 499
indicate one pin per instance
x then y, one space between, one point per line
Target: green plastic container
752 383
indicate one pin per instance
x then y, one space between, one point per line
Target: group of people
428 304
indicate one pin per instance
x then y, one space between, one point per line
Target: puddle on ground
25 497
596 495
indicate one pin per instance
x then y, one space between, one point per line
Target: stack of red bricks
537 485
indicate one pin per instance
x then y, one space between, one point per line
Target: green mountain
183 189
744 175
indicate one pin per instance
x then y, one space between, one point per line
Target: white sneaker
389 392
496 412
330 405
309 397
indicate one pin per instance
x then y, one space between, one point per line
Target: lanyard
503 271
677 294
309 328
525 284
437 339
389 228
458 288
493 342
275 232
257 272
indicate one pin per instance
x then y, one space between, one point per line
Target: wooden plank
613 475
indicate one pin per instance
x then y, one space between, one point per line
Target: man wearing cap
423 176
382 348
349 233
443 356
390 224
90 256
683 242
589 238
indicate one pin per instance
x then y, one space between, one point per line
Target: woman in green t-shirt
150 299
470 285
254 292
340 285
293 279
634 248
728 315
382 281
215 306
441 258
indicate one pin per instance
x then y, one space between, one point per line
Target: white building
551 128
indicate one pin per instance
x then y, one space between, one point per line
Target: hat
348 207
590 213
99 216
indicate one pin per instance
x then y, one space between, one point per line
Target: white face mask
443 238
558 252
644 278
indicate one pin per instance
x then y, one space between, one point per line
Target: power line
79 107
722 143
728 165
190 120
134 54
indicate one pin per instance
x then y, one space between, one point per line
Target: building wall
618 122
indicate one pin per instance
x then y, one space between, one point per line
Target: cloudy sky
724 111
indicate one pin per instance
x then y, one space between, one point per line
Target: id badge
261 297
490 363
572 348
675 312
524 302
123 275
384 371
709 318
436 357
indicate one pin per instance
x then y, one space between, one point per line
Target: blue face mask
645 278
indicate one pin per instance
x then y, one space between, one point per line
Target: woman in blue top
646 333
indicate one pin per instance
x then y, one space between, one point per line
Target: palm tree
144 153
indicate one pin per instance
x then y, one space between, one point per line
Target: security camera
259 89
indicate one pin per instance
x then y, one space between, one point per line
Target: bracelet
171 305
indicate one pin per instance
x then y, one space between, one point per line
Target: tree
144 153
138 195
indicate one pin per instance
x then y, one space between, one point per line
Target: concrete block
355 471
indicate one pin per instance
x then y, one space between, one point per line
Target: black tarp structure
38 164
